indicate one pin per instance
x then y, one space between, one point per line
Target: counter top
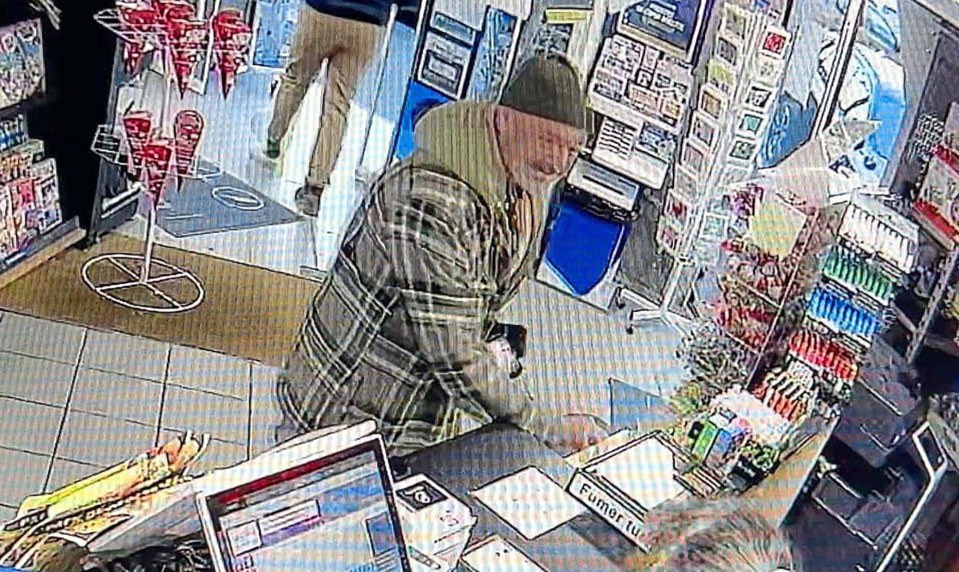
475 459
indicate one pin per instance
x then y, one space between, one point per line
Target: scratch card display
720 76
444 65
493 55
641 153
22 69
635 82
672 25
453 28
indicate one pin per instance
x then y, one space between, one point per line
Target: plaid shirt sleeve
442 267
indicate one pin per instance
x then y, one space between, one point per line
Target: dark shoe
272 150
268 154
307 200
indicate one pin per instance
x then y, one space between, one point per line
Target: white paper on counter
530 502
498 555
644 472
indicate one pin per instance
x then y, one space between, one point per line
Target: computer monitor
330 513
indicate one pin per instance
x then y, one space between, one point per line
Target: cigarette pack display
15 162
13 132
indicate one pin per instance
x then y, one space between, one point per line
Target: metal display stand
148 283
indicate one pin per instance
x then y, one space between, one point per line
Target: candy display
187 133
842 315
157 161
152 156
137 126
846 268
867 226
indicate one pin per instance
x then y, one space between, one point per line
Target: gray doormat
218 205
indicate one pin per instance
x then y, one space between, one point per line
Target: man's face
537 152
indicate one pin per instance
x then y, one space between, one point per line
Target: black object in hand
514 334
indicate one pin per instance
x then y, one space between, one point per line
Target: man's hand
574 432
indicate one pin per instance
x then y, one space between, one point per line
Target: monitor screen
334 514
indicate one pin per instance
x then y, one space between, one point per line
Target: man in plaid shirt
442 243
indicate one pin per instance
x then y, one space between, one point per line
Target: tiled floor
74 400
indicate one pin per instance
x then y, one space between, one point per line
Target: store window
846 65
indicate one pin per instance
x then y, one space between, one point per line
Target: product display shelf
934 306
45 247
25 107
935 226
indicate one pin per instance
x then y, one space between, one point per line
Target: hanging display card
444 64
635 83
642 153
494 55
673 25
776 226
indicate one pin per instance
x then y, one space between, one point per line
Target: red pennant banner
187 131
157 156
187 50
139 23
137 125
231 45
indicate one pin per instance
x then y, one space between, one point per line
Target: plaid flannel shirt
398 333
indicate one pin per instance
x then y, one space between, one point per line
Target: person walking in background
346 34
400 332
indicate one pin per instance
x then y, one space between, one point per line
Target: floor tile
7 513
126 355
103 441
217 373
265 413
34 379
221 417
41 338
66 472
27 477
29 426
117 396
219 455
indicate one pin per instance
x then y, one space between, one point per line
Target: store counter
475 459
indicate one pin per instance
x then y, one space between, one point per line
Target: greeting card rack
743 77
157 152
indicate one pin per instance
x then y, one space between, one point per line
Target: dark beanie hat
548 87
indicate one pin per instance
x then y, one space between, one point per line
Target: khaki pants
349 47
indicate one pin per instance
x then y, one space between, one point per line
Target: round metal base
166 290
